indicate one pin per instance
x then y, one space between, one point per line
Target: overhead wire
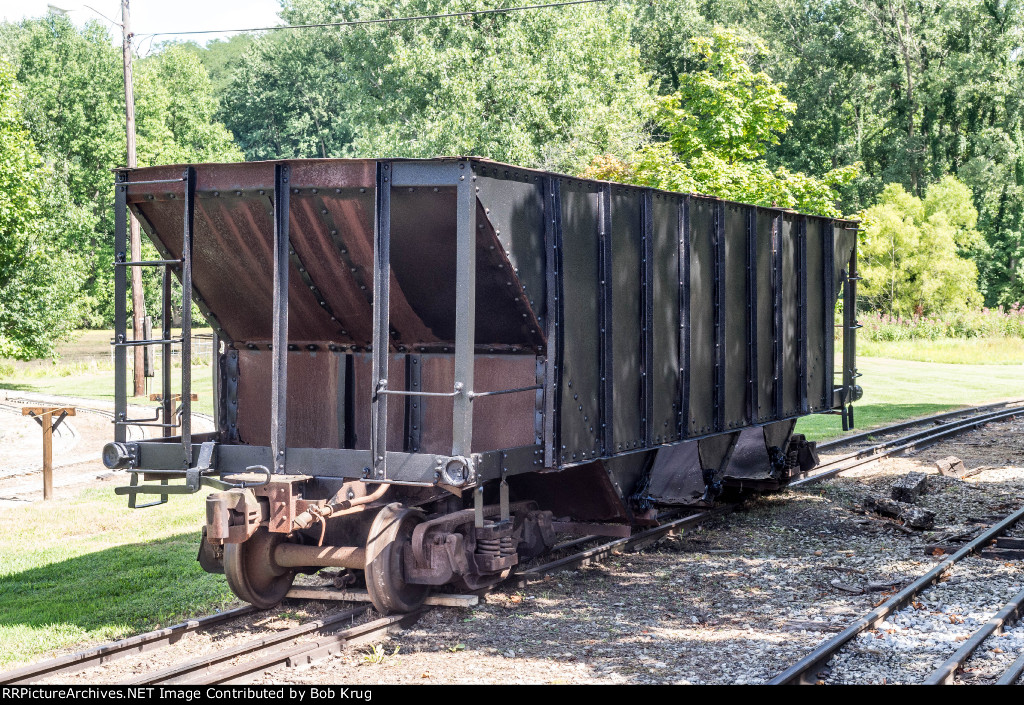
386 20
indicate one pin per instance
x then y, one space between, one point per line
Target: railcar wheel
252 573
389 539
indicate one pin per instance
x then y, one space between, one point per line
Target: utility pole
138 301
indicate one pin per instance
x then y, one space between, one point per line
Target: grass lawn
976 351
85 369
96 571
895 390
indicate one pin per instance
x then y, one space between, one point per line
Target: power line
351 23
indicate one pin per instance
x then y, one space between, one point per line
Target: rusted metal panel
636 311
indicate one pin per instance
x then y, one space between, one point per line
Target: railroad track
811 669
319 638
934 429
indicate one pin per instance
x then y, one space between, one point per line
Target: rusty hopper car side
427 368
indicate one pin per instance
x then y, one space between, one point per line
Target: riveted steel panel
702 324
790 319
665 420
513 202
627 311
816 317
581 352
735 318
765 308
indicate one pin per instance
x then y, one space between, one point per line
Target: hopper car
428 370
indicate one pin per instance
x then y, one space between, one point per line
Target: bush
983 323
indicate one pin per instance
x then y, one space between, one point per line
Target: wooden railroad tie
44 416
174 397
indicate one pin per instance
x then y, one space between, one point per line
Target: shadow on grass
15 387
124 589
867 415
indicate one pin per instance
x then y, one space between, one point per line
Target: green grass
971 351
85 370
895 390
95 570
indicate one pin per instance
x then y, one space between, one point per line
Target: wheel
252 573
390 537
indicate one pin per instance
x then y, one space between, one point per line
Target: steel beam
279 362
186 314
381 318
465 311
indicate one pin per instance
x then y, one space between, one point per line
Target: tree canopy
911 254
716 128
546 89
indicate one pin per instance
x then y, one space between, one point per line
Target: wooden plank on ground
300 593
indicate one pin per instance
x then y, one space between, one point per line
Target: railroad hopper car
429 369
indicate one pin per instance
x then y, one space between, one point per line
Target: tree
39 276
914 90
73 105
717 127
911 252
547 88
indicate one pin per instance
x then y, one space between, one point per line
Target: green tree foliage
914 90
545 88
39 276
718 125
73 106
910 254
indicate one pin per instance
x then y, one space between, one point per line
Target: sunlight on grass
895 390
97 571
969 351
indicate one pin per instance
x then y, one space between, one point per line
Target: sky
149 16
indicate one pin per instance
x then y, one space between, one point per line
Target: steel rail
105 653
921 439
635 541
190 671
865 435
304 652
816 659
943 675
1012 674
874 453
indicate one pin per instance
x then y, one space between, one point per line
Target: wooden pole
48 456
135 238
44 417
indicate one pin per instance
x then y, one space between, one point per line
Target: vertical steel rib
120 308
381 317
553 308
186 315
752 371
465 307
828 314
647 263
778 350
279 371
607 332
684 316
167 401
801 284
718 307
